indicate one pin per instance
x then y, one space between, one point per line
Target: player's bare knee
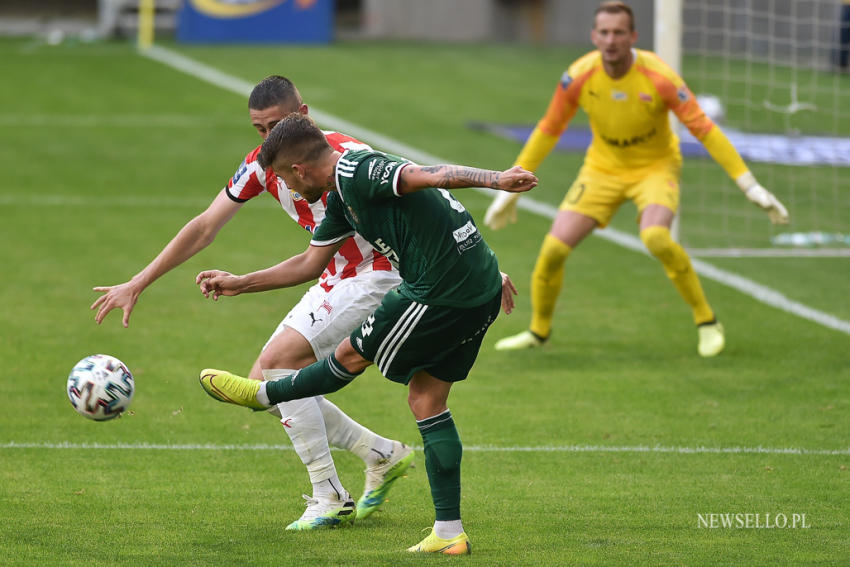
287 349
277 357
424 406
424 403
427 396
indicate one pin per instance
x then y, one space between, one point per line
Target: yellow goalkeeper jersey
628 117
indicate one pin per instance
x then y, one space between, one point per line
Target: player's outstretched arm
415 178
196 235
298 269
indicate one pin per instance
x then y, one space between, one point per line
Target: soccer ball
712 106
100 387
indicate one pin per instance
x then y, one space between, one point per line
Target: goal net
774 75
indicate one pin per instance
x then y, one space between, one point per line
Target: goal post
667 38
147 13
667 32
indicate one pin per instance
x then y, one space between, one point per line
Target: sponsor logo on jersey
388 169
645 97
381 170
566 80
466 236
464 232
618 95
628 142
239 173
682 94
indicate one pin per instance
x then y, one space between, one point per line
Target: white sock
329 488
448 529
303 422
271 375
345 433
262 397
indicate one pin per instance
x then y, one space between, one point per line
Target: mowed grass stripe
473 448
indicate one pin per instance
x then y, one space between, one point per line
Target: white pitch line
744 285
770 252
698 450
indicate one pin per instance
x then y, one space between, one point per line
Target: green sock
443 451
321 377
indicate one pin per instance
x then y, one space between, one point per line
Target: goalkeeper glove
501 211
763 198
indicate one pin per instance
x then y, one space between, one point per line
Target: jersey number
387 251
366 327
574 194
453 203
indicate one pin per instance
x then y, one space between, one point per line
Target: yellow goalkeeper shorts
598 195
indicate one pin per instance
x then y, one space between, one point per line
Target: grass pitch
603 448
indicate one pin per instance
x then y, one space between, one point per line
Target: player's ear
299 170
303 109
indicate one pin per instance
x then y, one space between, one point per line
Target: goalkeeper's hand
763 198
501 211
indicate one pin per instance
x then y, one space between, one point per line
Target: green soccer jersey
428 235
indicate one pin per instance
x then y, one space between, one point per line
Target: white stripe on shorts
398 334
391 334
410 328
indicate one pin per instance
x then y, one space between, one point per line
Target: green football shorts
402 337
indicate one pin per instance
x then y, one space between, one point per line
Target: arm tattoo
455 176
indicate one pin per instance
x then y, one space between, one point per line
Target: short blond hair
616 7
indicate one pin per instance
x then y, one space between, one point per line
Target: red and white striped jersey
355 257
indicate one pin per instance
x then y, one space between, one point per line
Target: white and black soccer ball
100 387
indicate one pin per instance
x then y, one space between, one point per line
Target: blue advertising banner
255 21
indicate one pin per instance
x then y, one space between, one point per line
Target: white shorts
325 318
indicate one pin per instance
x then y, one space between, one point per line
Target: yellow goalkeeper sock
546 280
678 266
